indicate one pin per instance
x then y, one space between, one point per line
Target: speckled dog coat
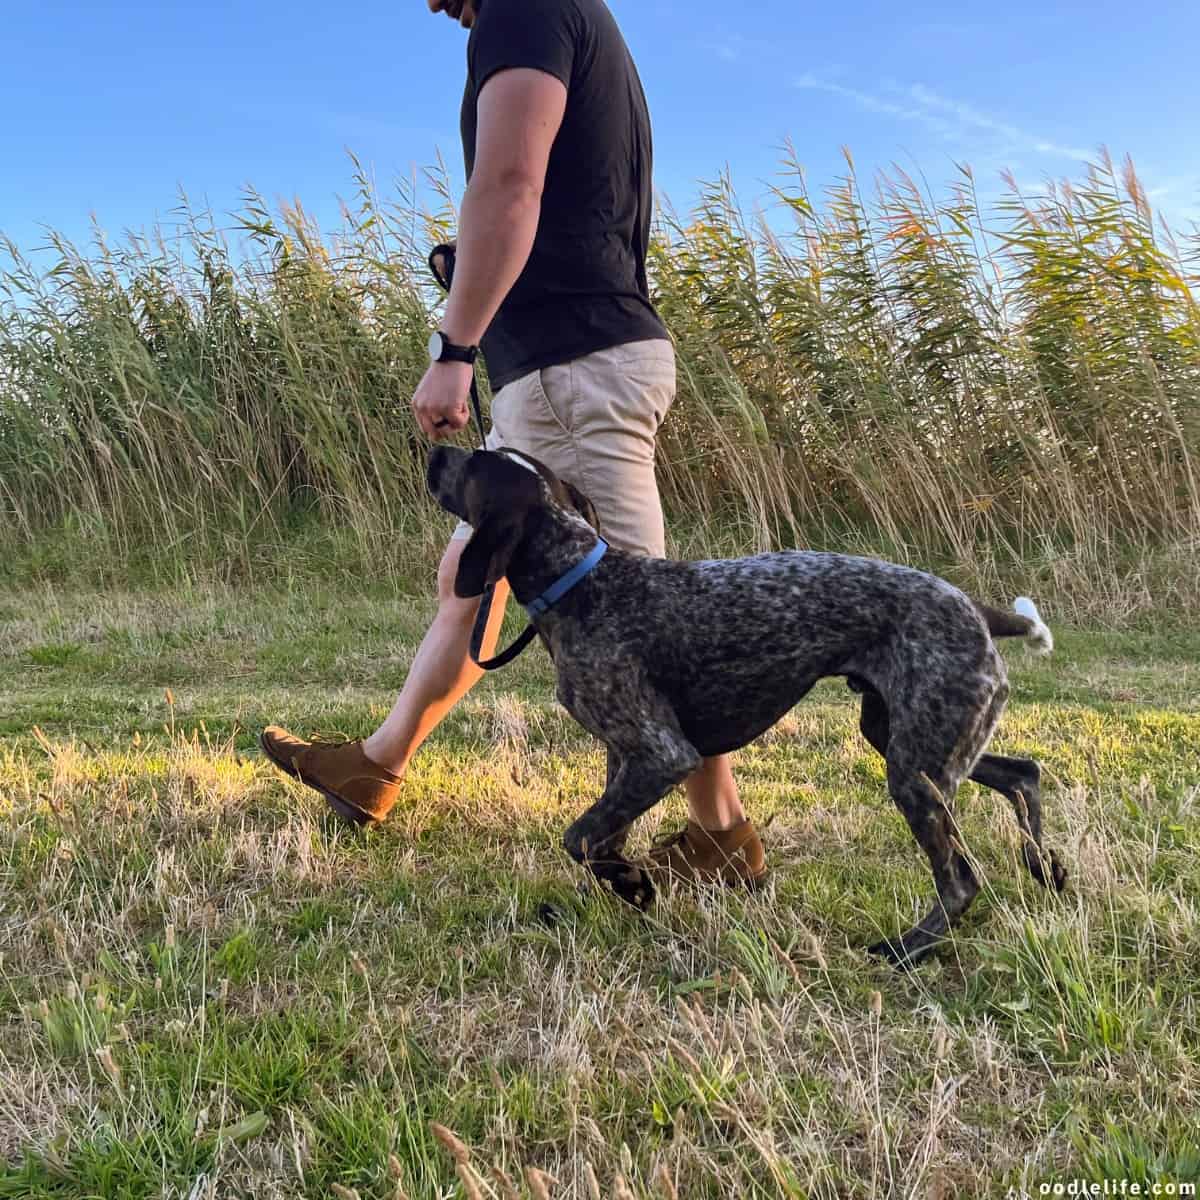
670 662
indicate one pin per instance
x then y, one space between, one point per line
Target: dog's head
504 495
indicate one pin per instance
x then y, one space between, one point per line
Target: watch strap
451 352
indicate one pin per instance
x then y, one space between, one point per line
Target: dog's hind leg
1017 779
927 759
926 805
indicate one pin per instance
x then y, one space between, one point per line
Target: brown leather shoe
694 855
356 788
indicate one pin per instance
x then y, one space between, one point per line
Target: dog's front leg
644 775
612 767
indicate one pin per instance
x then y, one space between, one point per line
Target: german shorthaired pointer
669 662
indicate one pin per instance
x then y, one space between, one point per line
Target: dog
670 662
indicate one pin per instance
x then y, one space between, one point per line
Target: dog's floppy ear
583 506
499 496
485 558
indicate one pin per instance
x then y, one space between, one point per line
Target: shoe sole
342 808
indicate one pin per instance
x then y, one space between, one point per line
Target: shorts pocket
647 389
554 389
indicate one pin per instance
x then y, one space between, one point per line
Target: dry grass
1010 393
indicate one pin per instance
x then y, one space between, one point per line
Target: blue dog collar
561 586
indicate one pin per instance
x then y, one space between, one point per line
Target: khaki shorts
593 422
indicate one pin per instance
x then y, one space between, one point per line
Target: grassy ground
208 988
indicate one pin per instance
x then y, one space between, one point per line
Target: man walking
550 282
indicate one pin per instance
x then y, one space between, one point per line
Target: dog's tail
1024 621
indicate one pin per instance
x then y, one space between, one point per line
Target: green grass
209 988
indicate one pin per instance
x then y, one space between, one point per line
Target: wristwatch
442 349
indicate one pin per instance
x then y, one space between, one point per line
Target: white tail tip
1040 634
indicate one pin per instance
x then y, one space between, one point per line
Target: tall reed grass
990 389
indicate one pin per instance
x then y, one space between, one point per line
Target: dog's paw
1058 873
897 955
887 951
1037 862
634 886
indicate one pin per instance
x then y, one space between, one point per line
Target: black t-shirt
584 286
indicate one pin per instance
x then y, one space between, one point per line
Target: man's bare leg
442 671
712 794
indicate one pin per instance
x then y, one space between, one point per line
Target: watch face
435 347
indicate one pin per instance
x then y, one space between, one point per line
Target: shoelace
666 841
328 739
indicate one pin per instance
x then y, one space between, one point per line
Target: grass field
209 989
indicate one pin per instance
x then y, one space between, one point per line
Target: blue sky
111 107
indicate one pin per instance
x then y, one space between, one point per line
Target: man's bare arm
519 114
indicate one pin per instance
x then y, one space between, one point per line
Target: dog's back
735 643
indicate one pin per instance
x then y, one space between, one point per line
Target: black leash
447 254
446 251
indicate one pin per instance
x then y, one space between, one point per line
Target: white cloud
972 118
949 118
736 48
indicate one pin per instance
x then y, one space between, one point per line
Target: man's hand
440 401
